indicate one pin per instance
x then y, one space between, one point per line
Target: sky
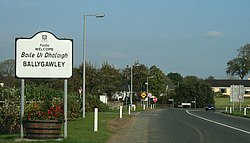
190 37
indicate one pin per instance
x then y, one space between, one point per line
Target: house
224 86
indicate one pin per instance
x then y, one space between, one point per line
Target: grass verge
223 102
81 130
238 113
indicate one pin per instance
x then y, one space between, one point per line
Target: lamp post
131 88
131 85
148 102
147 92
98 15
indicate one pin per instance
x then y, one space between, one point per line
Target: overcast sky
191 37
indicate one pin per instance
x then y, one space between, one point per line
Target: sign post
143 95
237 94
44 56
155 99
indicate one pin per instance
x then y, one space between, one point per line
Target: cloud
213 34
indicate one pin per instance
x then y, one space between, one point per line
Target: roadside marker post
129 110
96 120
120 112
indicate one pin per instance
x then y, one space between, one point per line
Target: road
184 126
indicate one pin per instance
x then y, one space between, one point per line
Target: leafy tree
210 78
175 77
236 67
158 81
75 82
240 65
7 67
140 74
92 79
7 72
109 79
192 89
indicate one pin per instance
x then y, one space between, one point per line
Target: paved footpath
136 130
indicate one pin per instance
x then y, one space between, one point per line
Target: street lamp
131 85
98 15
148 102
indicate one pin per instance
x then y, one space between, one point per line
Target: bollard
230 109
226 109
151 106
129 110
143 106
245 111
96 120
120 112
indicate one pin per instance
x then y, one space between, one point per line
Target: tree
92 79
194 89
236 67
175 77
240 65
158 81
7 67
109 79
140 74
7 72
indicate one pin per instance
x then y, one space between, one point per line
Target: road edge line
218 123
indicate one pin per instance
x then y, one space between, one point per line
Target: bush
38 92
93 102
74 106
220 94
9 117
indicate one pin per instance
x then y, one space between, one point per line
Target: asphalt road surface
184 126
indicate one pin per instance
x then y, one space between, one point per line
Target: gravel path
135 131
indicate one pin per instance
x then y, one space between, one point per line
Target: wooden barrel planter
43 129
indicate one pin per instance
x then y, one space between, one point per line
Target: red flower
38 111
49 112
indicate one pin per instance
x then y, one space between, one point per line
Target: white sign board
104 99
237 93
44 56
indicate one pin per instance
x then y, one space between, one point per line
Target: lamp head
99 15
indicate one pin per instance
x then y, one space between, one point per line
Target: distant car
210 107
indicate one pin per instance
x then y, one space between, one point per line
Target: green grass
222 103
80 130
239 113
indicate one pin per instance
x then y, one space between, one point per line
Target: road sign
237 93
171 99
240 97
149 95
155 99
143 94
44 56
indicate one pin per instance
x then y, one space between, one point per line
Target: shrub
74 106
9 117
94 102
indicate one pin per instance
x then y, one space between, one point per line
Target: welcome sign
44 56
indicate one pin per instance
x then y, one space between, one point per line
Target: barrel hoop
43 128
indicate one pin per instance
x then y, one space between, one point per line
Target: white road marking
244 131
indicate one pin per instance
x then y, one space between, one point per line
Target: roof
228 83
